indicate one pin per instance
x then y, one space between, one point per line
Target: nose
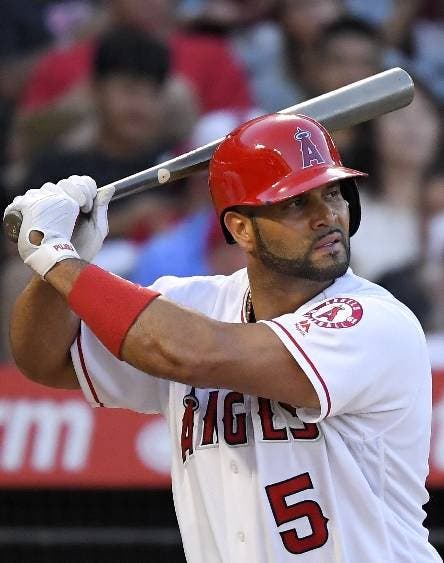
323 215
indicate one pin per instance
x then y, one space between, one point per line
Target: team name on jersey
213 415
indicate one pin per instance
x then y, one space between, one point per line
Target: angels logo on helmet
309 151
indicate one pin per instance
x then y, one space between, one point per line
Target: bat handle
13 221
11 225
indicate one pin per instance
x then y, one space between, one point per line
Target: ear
240 228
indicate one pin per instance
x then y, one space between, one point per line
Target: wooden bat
352 104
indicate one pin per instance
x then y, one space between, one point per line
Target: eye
334 193
295 203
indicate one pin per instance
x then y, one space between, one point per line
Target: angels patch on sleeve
337 312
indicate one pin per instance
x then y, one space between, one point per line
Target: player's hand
49 215
92 224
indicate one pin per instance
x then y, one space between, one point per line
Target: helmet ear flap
349 190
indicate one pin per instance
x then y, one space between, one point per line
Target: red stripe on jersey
318 375
85 372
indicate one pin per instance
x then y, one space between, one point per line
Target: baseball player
298 394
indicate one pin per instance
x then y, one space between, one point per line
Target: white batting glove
82 189
53 213
92 225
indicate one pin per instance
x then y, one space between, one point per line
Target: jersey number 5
283 513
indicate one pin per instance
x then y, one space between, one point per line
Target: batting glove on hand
53 213
92 225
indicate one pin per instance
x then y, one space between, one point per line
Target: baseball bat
352 104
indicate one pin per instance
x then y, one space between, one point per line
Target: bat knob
11 225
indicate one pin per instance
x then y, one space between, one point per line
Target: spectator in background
29 29
261 34
394 18
192 247
405 142
414 29
278 52
347 49
303 24
24 35
205 61
420 283
56 97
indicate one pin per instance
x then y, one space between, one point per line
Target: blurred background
110 87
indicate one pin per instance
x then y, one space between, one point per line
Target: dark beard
301 267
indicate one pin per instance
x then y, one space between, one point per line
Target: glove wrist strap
49 253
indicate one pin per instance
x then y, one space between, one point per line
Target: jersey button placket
235 483
240 535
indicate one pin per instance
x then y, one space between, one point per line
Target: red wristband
108 304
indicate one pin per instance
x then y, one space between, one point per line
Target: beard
303 267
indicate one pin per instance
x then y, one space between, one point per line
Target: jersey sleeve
107 381
361 356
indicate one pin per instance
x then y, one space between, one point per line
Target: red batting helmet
276 157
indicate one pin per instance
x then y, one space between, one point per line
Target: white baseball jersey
261 481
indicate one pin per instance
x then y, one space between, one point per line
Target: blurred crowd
110 87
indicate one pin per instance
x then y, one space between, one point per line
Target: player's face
306 236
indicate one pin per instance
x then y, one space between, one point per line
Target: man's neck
275 294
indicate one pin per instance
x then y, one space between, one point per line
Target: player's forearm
42 329
165 340
177 344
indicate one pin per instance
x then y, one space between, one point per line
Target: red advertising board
53 438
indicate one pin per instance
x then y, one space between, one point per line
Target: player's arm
42 326
178 344
42 329
248 358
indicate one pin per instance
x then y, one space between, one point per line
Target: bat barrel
341 108
360 101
